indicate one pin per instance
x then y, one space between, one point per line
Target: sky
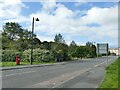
79 21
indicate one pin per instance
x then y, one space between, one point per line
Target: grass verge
7 64
111 77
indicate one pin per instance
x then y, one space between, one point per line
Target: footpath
29 66
38 65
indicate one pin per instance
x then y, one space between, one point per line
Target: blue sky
78 21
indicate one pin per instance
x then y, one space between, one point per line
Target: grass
111 77
7 64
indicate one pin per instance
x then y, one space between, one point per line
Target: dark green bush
10 55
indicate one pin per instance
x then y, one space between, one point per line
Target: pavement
74 74
39 65
29 66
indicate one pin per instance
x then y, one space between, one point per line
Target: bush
10 55
39 55
26 55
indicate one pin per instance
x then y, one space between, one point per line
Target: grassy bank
111 77
7 64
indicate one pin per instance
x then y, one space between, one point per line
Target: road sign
102 48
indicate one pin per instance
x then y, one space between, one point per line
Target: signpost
103 49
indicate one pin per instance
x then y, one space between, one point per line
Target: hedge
10 55
39 55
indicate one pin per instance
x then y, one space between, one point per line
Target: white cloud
49 5
64 12
11 2
63 20
11 9
45 38
103 16
78 4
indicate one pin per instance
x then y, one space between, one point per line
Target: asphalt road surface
86 73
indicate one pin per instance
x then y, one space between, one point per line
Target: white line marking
70 78
80 74
102 63
18 73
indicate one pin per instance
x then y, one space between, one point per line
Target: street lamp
34 19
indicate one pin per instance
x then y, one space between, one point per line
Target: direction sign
102 48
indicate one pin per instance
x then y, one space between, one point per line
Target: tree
59 38
91 49
45 45
72 49
12 29
73 43
89 44
60 51
14 37
36 42
81 52
59 48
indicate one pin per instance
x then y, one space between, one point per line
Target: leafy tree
46 45
89 44
91 49
59 38
59 48
36 43
60 51
14 37
73 43
72 49
81 52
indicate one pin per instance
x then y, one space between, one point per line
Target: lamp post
34 19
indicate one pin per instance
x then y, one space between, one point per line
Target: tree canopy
14 37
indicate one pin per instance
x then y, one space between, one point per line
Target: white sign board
102 48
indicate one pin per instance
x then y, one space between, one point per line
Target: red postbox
17 60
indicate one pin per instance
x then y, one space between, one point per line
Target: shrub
10 55
39 55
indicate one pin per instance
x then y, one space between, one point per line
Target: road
86 73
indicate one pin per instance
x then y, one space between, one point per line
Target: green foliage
91 49
88 51
39 55
81 52
14 37
72 49
59 39
26 55
111 77
60 51
45 45
10 55
4 64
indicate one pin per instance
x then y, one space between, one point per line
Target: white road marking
80 74
102 63
70 78
18 73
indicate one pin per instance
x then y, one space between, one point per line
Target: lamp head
37 19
